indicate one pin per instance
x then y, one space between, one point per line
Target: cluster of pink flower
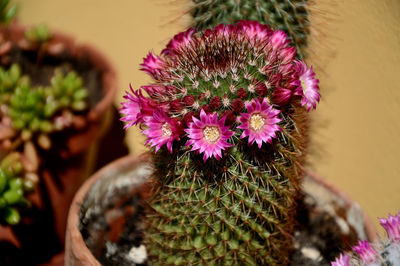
181 105
369 255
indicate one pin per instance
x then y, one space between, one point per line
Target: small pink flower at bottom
343 260
308 85
161 130
365 251
208 135
260 122
392 226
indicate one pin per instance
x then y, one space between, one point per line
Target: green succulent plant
29 109
68 91
13 189
32 109
287 15
39 33
9 80
7 12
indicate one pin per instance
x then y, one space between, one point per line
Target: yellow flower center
212 134
303 85
166 129
256 122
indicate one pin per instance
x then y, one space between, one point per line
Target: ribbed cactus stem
237 211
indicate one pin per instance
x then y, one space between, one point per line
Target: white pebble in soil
311 253
343 225
138 254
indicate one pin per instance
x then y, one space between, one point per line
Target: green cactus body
224 115
287 15
237 211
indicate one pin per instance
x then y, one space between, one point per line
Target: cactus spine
223 117
287 15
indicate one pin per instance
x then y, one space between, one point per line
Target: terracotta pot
61 174
128 172
132 172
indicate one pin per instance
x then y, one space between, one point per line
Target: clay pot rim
79 246
81 251
369 226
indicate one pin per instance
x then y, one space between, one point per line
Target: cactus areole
224 116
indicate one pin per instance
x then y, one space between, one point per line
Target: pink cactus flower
288 54
281 96
279 40
208 135
308 85
155 91
260 122
188 77
178 42
152 65
223 29
255 30
343 260
161 130
392 226
365 251
136 108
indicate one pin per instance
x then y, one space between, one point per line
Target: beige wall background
355 44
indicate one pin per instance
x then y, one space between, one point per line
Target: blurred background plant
15 183
7 11
33 112
30 114
39 34
48 119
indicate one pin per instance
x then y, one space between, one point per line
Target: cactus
13 188
386 252
287 15
222 116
